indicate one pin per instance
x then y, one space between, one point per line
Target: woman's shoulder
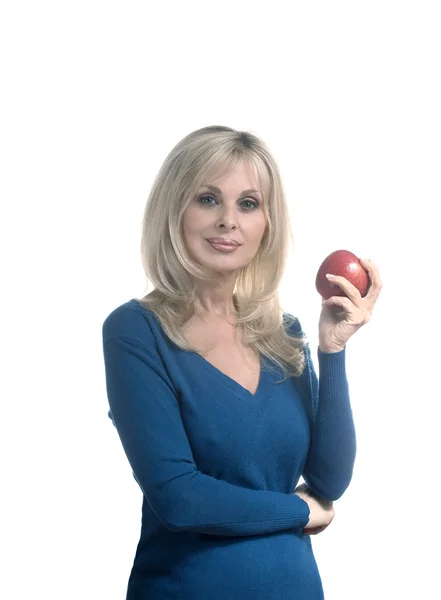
127 320
292 323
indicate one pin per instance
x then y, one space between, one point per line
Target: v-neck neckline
266 387
233 382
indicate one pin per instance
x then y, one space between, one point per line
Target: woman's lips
224 241
223 247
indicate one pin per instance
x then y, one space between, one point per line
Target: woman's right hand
321 510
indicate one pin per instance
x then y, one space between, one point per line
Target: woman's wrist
330 349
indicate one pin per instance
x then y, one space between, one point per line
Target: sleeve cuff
332 372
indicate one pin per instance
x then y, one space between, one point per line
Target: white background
94 95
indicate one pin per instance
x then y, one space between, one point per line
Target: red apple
346 264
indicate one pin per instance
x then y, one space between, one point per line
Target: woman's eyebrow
213 188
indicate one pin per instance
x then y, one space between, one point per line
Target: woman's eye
204 196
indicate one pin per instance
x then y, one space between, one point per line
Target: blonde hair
200 156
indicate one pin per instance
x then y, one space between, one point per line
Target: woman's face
228 213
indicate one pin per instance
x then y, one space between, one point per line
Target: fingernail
329 275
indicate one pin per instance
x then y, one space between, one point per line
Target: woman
212 389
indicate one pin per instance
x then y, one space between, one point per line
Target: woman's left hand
303 491
342 316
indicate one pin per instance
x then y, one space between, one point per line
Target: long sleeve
145 410
329 467
331 456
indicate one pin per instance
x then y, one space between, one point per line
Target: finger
345 303
319 529
349 289
344 309
314 530
374 276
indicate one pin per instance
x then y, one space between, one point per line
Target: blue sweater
218 465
